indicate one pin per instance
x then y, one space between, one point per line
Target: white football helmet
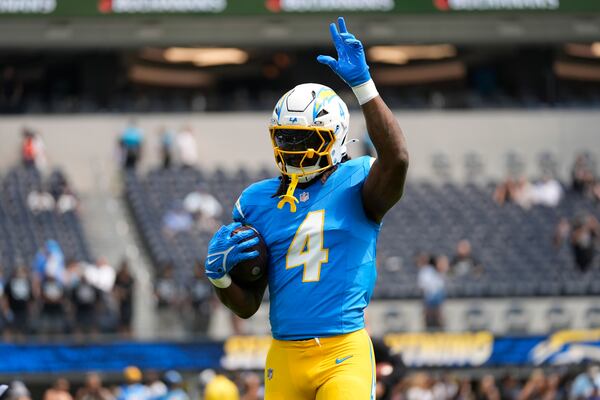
309 128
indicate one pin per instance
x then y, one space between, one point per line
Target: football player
320 221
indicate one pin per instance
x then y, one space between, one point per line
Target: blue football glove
351 64
226 251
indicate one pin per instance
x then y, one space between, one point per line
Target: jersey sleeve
367 164
361 171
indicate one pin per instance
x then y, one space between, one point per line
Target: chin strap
288 197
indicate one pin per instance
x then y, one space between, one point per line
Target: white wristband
221 283
365 91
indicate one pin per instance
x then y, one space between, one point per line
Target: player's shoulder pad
254 195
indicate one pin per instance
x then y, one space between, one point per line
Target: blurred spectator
49 262
547 192
11 91
166 147
168 297
221 388
200 296
133 389
84 298
535 387
130 143
463 262
176 220
57 183
514 191
59 391
101 275
18 391
33 152
465 390
584 384
446 387
509 387
175 390
583 233
155 387
596 192
389 369
123 292
251 387
488 389
19 292
186 147
67 201
73 274
204 207
39 200
554 389
420 387
431 281
93 389
582 176
53 319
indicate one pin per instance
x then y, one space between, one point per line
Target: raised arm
225 251
385 183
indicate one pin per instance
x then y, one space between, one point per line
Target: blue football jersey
321 258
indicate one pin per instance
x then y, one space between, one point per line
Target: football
248 272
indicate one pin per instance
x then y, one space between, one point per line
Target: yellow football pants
332 368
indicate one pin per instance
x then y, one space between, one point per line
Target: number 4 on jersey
307 249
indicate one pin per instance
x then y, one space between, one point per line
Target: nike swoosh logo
341 360
213 260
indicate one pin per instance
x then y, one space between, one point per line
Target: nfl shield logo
270 373
304 196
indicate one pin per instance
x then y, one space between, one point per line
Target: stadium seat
476 319
592 317
395 321
517 320
558 318
24 231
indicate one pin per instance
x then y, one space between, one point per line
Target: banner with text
451 349
250 352
83 8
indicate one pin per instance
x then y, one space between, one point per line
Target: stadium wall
385 316
86 144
